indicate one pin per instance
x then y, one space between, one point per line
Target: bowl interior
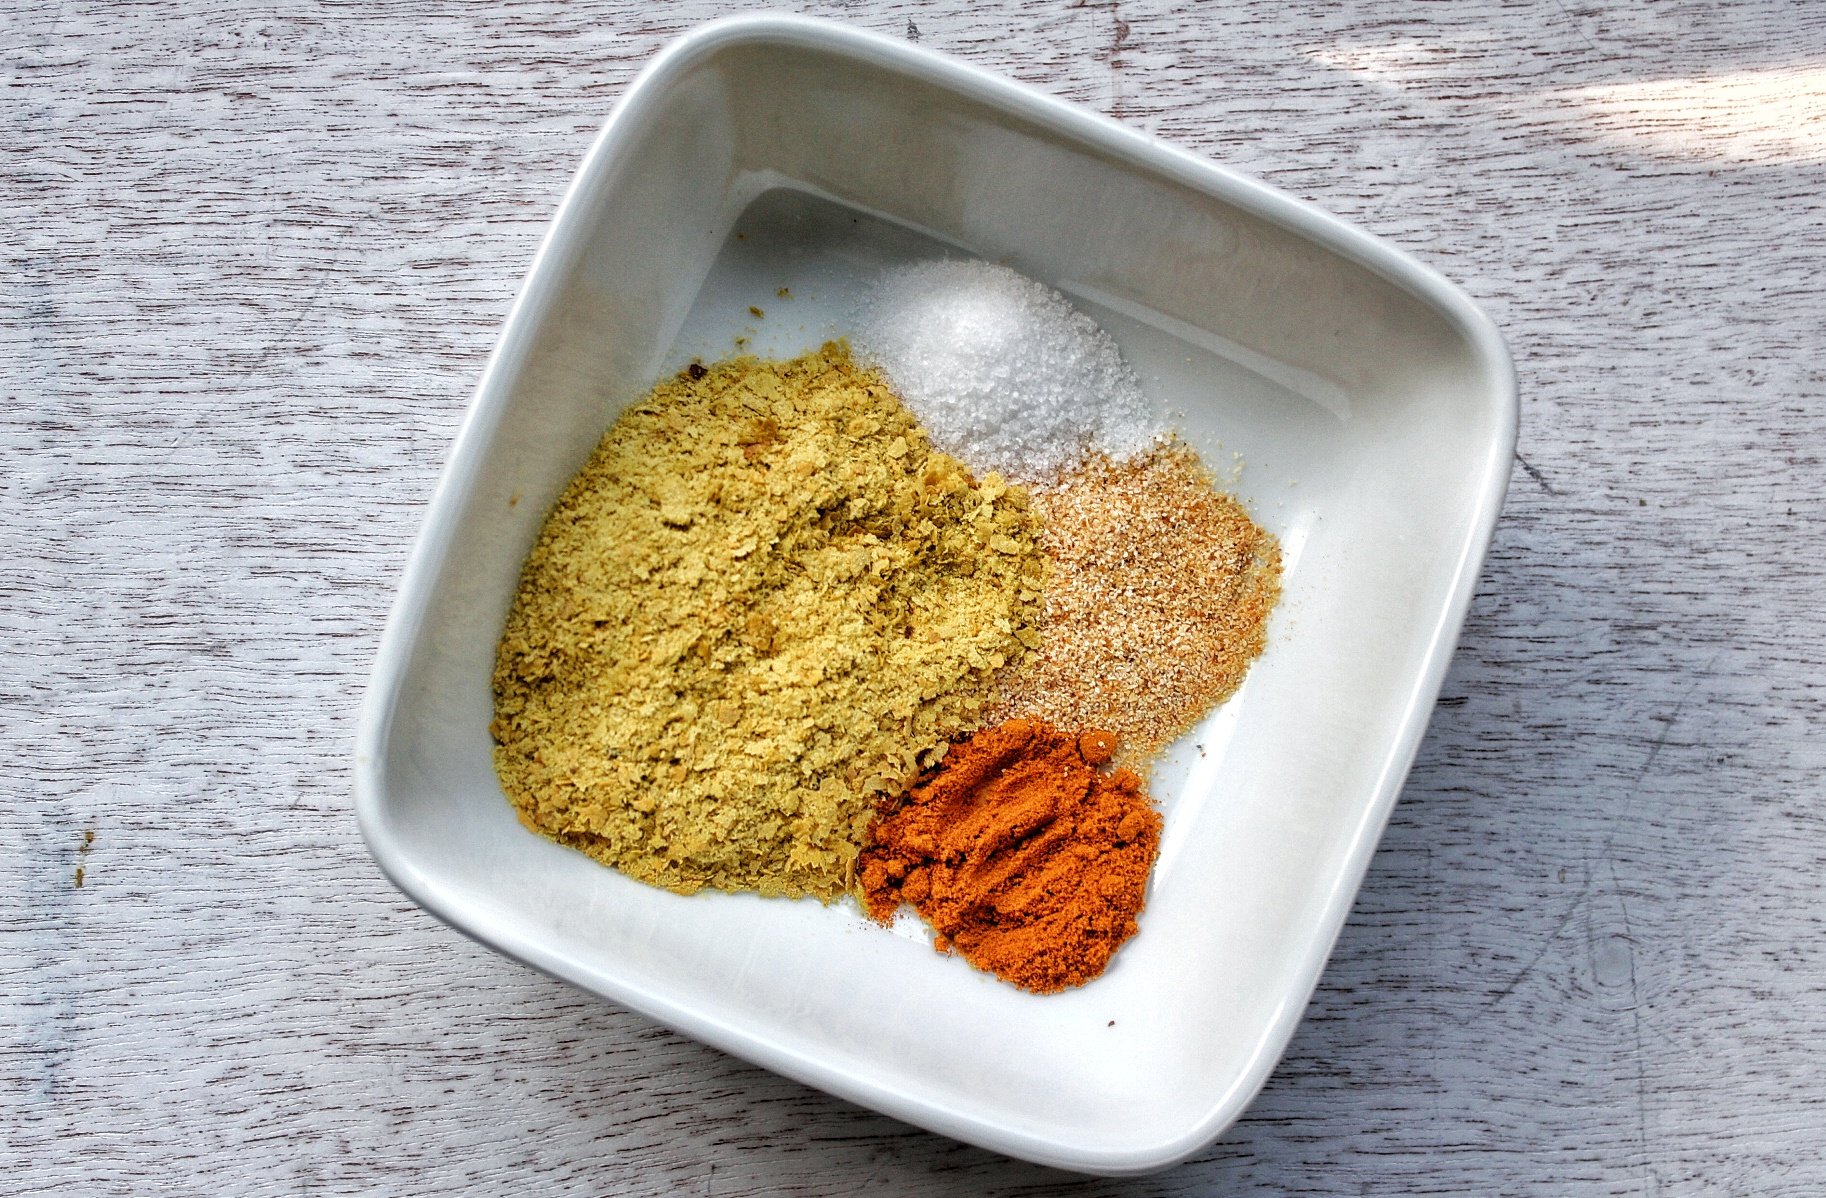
1369 425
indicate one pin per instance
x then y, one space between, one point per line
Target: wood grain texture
254 260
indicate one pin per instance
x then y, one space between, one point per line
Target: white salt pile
1004 373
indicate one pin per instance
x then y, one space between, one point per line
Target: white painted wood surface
254 259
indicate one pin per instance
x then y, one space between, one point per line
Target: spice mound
1003 369
1021 853
1157 601
747 615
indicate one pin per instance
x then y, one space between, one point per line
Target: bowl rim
1138 150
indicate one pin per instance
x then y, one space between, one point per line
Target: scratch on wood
1576 27
1585 888
1535 474
1522 975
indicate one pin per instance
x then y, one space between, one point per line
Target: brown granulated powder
1157 602
752 609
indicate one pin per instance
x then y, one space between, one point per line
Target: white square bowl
1373 403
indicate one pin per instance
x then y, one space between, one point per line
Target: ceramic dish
1374 407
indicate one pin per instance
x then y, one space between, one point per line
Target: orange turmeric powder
1021 853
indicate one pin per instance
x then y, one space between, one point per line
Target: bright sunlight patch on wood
1748 116
1771 115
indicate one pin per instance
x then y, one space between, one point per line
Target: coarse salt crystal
1003 372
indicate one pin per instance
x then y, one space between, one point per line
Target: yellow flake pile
752 611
